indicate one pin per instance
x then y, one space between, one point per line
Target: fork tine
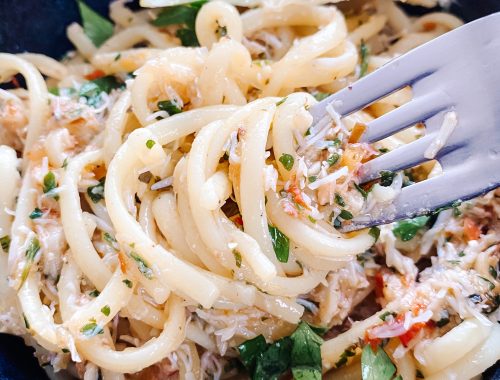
396 74
420 198
403 157
415 111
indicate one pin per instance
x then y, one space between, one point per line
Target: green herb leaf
142 265
281 244
150 144
321 95
96 193
493 272
32 249
348 352
346 215
96 27
106 310
179 14
250 350
274 360
339 200
491 285
26 323
91 329
376 365
374 232
109 238
312 178
332 160
287 161
65 163
407 229
169 106
94 293
187 37
128 283
362 191
237 258
54 90
5 242
36 213
364 53
386 314
93 89
283 100
49 184
306 353
386 178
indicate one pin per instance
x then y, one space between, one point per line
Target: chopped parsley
106 310
376 365
407 229
91 91
384 316
346 215
54 90
283 100
65 163
237 258
362 191
94 293
169 106
31 252
128 283
26 323
348 352
49 185
321 95
374 232
364 52
142 265
386 178
300 352
91 329
493 272
339 200
150 144
36 213
5 242
185 15
281 244
287 161
96 193
108 238
96 27
312 178
333 159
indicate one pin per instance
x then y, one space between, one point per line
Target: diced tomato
411 333
471 229
374 342
95 74
379 284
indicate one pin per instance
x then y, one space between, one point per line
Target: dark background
39 26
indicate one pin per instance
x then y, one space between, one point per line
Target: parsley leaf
237 258
386 178
106 310
364 53
169 106
150 144
49 184
91 329
346 215
332 160
94 293
31 252
96 193
287 161
281 244
339 200
96 27
93 89
374 232
128 283
250 350
36 213
306 353
142 265
407 229
376 365
274 361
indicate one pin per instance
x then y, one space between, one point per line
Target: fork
459 72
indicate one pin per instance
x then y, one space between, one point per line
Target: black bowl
40 27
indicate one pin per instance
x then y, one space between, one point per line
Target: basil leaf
306 353
376 365
274 360
179 14
364 53
92 90
407 229
287 161
96 193
281 244
169 106
96 27
250 350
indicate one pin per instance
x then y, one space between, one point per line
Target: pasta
173 212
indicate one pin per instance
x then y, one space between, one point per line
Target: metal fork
460 72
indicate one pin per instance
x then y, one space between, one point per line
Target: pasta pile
169 210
